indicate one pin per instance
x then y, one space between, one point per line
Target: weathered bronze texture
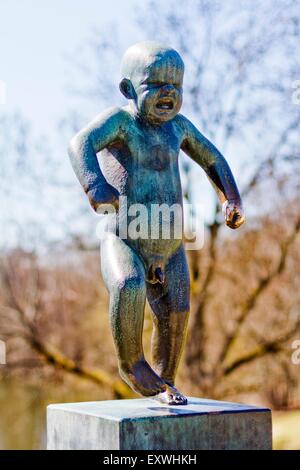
139 145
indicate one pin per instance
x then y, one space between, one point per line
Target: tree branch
272 157
273 346
253 298
98 376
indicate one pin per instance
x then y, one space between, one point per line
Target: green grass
286 430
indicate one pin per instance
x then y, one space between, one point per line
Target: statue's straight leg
124 275
170 307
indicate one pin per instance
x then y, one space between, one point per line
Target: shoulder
114 116
110 122
184 124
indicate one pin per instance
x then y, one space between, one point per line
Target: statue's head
152 79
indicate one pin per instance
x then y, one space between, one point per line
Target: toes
175 397
178 400
169 398
181 400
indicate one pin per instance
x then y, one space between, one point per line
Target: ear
127 89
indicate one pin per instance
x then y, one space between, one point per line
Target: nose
167 90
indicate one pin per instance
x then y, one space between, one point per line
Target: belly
155 231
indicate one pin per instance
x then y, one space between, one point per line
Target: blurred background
59 68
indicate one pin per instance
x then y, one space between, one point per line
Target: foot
171 396
142 379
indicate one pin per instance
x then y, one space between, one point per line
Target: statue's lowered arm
203 152
83 150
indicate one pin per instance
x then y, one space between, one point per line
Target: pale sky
35 38
37 41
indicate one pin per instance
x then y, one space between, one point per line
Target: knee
132 285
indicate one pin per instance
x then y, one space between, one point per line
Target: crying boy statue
139 146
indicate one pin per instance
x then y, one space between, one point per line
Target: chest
155 150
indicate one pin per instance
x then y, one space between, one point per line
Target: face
159 91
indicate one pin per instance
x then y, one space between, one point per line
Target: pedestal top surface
145 408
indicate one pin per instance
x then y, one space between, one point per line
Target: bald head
140 57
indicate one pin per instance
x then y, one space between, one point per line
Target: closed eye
156 84
161 84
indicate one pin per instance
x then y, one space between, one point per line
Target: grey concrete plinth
149 425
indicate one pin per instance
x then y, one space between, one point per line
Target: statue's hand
234 213
103 195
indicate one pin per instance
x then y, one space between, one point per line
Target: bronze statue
139 145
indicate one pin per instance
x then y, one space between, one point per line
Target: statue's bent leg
124 276
170 306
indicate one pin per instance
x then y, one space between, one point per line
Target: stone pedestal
148 425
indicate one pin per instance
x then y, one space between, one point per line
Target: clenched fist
234 214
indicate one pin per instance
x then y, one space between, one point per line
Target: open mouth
165 104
